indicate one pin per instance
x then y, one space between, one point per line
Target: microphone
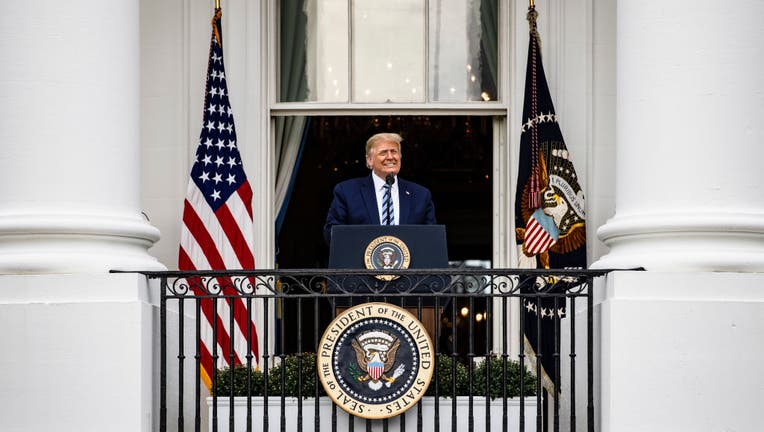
390 179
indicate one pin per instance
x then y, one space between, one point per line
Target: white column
69 128
690 137
78 348
678 346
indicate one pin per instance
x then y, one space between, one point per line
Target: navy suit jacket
355 203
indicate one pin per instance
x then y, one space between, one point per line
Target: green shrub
445 378
495 365
446 371
291 370
240 381
290 367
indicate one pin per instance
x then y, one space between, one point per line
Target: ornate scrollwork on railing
398 283
177 287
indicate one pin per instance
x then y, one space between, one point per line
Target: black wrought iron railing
482 323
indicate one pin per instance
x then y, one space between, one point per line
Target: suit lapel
370 200
404 197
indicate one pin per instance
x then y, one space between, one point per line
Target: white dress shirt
379 188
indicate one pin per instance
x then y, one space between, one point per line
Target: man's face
384 158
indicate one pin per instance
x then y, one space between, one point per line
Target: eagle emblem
375 352
562 204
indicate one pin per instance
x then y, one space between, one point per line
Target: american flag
217 231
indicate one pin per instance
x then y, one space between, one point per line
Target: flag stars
219 161
540 118
231 179
221 127
215 195
204 177
217 178
231 144
529 124
547 117
212 109
220 144
231 162
215 57
549 312
210 125
207 160
208 143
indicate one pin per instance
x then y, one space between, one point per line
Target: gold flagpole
217 4
530 3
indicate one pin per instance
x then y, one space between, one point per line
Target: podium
352 247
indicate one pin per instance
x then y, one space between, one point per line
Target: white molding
689 240
307 108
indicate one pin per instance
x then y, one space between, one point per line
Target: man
362 200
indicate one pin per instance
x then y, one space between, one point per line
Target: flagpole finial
217 4
531 4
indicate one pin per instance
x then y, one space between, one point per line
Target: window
426 69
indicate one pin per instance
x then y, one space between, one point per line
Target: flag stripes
537 240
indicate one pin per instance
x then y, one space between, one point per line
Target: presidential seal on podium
387 253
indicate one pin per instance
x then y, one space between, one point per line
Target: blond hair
383 137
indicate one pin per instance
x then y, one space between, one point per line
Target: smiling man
381 197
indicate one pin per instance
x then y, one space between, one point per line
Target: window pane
292 84
463 50
388 51
329 57
314 51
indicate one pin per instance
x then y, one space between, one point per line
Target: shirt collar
380 182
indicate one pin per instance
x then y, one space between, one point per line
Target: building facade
660 103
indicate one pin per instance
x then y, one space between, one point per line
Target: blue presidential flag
550 215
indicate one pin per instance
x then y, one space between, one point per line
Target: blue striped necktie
387 206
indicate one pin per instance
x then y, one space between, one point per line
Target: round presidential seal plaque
375 360
387 253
